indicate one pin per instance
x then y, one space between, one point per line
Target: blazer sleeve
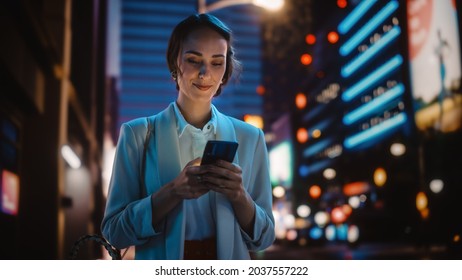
127 219
261 192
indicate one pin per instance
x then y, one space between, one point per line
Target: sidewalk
366 251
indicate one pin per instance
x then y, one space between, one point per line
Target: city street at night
347 116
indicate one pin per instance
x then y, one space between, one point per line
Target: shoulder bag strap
149 132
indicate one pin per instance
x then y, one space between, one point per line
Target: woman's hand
189 184
226 178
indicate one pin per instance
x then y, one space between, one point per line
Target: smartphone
217 149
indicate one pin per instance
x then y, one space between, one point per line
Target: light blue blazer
128 215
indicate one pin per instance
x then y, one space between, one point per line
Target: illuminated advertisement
281 162
10 193
435 64
281 154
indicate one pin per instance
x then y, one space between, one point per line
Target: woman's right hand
188 184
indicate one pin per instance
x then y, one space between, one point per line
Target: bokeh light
332 37
302 223
315 191
456 238
337 215
316 233
342 3
397 149
279 191
421 201
330 233
342 232
289 221
329 173
425 213
356 188
353 233
380 177
306 59
316 133
303 211
273 5
300 100
354 202
254 120
321 218
302 135
347 209
291 235
310 39
260 90
436 185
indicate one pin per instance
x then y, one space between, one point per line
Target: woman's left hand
226 178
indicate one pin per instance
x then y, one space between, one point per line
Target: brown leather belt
200 249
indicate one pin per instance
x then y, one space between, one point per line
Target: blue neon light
375 104
348 22
362 58
322 125
370 26
316 148
303 170
375 131
306 170
373 77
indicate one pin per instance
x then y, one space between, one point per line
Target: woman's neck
195 113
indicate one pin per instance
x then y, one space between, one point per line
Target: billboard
435 64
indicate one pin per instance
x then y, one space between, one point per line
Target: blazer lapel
225 220
169 167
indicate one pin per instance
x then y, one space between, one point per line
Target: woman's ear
174 74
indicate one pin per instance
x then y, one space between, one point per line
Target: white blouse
199 220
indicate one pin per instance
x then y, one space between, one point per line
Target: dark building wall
49 107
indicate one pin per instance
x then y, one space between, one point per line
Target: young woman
160 198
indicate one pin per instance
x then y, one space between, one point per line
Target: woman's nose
202 71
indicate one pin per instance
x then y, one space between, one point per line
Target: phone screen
216 149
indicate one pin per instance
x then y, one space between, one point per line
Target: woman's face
202 64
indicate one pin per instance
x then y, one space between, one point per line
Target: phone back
216 149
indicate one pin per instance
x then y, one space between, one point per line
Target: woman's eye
193 61
217 64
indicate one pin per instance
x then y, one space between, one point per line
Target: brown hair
185 27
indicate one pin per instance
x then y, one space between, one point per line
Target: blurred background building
360 102
52 67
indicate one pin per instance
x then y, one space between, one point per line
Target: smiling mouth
203 88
